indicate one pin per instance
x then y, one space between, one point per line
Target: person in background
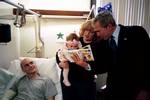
81 78
72 43
127 50
32 86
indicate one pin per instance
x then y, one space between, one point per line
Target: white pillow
15 68
46 67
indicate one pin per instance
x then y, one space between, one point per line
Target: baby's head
74 44
72 41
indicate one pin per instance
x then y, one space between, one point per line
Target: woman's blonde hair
86 26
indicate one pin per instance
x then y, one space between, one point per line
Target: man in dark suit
127 57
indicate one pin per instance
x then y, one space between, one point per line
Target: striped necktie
113 47
112 43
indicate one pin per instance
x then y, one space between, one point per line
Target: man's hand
79 61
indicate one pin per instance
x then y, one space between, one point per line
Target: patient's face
28 66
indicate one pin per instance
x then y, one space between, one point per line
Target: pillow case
46 67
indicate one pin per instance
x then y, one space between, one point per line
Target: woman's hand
79 61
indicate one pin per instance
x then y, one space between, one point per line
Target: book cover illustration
84 53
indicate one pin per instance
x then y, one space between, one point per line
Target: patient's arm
9 94
50 98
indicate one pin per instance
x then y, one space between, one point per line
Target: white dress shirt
116 34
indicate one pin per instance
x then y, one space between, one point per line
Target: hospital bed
47 67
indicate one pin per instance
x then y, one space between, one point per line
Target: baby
72 42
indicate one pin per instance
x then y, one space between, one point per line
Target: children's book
84 53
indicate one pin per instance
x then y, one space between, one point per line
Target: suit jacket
129 74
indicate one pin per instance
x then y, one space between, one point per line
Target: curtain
130 12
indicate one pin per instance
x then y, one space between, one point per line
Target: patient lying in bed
32 86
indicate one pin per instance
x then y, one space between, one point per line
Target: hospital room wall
49 30
23 39
10 50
